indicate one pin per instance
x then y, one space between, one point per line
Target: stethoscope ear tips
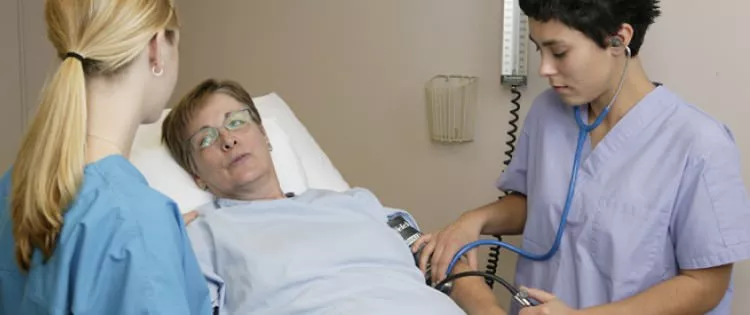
616 42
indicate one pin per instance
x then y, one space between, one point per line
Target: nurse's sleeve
710 222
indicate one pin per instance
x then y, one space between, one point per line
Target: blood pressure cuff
404 224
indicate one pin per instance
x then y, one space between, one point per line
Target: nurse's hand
549 305
439 248
190 217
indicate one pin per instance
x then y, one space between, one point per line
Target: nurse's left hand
549 305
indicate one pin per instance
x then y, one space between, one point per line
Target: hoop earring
158 74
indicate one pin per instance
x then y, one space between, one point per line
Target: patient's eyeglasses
207 136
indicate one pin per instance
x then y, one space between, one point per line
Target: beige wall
25 60
357 83
11 111
39 55
354 72
357 80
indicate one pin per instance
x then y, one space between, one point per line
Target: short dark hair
597 19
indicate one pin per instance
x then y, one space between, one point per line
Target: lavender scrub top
663 191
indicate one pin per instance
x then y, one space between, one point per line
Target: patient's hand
190 217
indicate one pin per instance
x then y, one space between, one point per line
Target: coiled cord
511 143
494 255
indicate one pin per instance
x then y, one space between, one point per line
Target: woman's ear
200 183
265 135
156 47
622 38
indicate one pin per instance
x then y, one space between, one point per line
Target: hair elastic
74 55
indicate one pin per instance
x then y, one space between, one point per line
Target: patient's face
232 156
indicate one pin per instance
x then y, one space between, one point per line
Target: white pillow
165 175
321 173
287 163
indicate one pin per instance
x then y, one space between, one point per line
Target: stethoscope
583 131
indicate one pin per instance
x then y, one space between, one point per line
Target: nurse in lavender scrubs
658 212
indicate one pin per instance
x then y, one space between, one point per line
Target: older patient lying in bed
262 252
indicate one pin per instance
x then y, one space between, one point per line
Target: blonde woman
81 232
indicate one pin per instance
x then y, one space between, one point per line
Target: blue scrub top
662 192
123 249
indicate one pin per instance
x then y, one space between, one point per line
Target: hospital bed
300 164
299 160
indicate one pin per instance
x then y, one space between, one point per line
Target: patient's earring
270 147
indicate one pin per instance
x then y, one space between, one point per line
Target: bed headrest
299 161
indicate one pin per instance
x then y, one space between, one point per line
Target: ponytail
48 170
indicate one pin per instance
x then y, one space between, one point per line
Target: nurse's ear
621 39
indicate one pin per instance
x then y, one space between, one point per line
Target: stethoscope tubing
583 131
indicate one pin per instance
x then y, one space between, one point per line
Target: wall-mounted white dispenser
452 107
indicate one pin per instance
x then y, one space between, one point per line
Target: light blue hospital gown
661 192
317 253
122 250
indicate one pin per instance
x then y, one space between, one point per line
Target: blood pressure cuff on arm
404 224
